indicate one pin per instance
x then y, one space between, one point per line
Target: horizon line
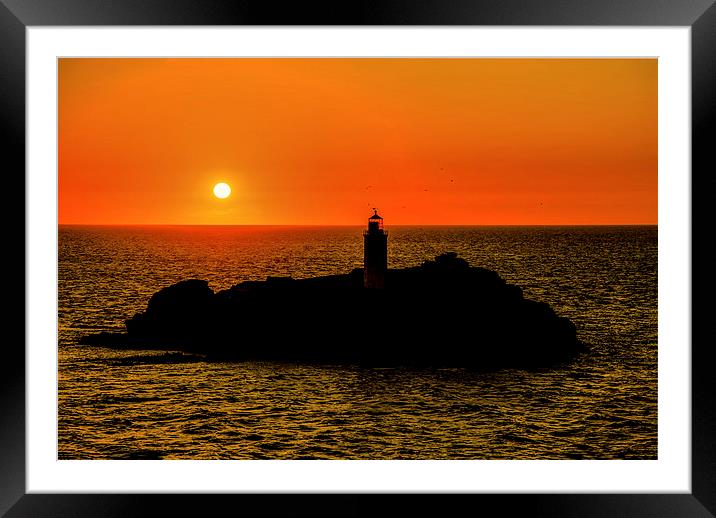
356 225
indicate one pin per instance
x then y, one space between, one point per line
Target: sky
322 141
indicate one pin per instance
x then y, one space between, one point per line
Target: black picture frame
699 15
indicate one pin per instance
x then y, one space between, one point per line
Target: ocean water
146 405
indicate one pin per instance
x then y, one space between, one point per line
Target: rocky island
443 313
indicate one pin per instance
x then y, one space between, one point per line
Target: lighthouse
375 253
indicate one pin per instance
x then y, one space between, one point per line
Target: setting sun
222 190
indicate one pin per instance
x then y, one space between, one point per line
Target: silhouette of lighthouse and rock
443 313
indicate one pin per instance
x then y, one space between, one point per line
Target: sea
144 404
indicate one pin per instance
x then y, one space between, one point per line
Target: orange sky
320 141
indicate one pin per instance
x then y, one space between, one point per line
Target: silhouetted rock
441 313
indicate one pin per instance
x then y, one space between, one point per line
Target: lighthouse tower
375 253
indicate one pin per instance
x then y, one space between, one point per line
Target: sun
222 190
